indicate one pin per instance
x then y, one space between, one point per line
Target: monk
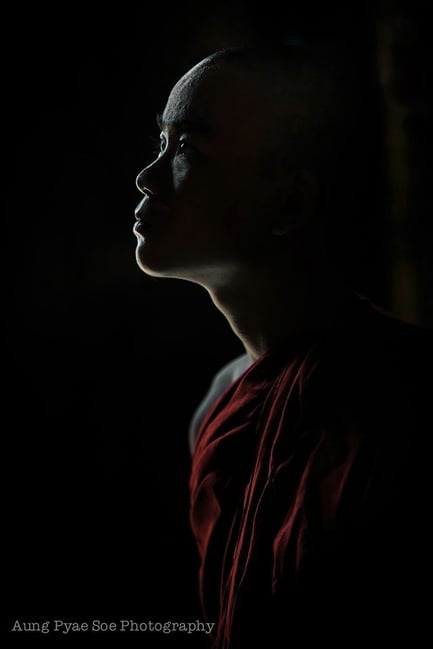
309 491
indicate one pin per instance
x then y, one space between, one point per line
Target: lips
142 227
147 212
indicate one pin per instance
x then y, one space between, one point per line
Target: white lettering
210 626
38 627
98 625
66 627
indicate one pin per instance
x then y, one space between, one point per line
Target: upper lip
148 205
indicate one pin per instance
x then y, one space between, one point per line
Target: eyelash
156 144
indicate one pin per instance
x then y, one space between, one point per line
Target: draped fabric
304 472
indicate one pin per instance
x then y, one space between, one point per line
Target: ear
298 203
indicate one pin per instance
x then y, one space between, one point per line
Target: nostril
141 185
142 188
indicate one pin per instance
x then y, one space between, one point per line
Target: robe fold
309 488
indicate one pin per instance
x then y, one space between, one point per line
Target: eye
185 148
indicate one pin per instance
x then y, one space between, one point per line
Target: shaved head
304 102
310 107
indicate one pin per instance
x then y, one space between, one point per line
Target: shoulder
231 371
221 380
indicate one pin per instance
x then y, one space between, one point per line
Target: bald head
300 101
258 105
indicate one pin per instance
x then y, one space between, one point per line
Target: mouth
147 209
142 227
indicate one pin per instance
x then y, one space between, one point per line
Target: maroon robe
309 490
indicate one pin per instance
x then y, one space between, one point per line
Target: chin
154 267
189 267
145 260
146 267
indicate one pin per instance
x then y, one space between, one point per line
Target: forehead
219 97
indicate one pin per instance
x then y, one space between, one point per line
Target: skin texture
224 209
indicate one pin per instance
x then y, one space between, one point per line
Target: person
309 480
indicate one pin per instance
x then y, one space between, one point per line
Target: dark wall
104 366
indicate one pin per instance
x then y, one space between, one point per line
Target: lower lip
141 227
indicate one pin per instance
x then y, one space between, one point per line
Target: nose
140 182
154 180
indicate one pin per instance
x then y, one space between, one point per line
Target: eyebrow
192 124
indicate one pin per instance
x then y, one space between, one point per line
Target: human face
206 199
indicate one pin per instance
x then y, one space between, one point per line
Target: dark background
104 366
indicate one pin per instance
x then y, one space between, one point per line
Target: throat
266 311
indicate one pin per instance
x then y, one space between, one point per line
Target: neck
265 307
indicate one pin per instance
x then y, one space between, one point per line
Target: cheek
251 226
181 176
219 203
203 200
243 206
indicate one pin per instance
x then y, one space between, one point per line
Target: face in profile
206 199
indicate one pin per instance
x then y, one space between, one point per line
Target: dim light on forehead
185 123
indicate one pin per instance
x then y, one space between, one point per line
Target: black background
104 366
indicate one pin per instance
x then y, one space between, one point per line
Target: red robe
309 490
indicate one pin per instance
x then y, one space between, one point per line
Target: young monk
309 489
